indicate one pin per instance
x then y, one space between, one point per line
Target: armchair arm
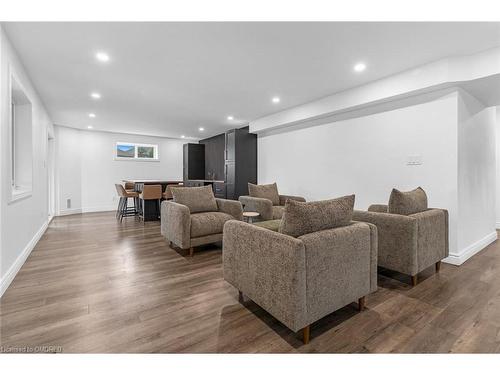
283 199
432 236
378 208
341 266
261 205
230 207
397 240
176 223
268 267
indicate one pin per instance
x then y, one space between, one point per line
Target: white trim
469 251
20 193
16 266
497 225
136 159
100 208
83 210
70 211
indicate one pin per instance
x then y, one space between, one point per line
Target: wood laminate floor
95 285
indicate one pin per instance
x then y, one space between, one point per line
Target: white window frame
136 157
17 192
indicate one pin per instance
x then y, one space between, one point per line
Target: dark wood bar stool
123 208
150 193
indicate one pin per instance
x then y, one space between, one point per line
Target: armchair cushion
197 199
273 225
269 191
278 212
206 223
300 218
231 207
407 202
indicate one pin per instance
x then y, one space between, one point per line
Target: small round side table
250 216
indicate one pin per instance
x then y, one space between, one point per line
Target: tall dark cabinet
227 161
240 162
214 156
194 161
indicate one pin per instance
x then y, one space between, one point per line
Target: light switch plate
414 160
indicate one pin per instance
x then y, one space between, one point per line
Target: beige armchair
265 200
301 278
409 243
195 217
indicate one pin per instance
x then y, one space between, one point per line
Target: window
21 145
136 151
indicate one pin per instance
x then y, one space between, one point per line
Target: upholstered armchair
265 200
411 237
305 271
195 217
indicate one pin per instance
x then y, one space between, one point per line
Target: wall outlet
414 160
68 203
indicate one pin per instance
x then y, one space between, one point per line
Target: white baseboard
100 208
469 251
83 210
14 269
70 211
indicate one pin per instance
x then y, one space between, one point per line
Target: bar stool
150 193
123 208
129 186
167 194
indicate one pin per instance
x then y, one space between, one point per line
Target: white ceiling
169 79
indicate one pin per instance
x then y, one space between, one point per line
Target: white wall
22 222
497 196
476 175
68 170
87 169
368 156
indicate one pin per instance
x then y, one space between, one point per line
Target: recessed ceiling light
201 129
230 118
183 136
102 56
92 115
275 99
95 95
90 127
359 67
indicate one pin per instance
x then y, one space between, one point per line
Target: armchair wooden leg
306 331
240 297
438 266
414 280
191 251
361 303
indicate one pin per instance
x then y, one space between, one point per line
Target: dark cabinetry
226 161
194 161
214 157
241 162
